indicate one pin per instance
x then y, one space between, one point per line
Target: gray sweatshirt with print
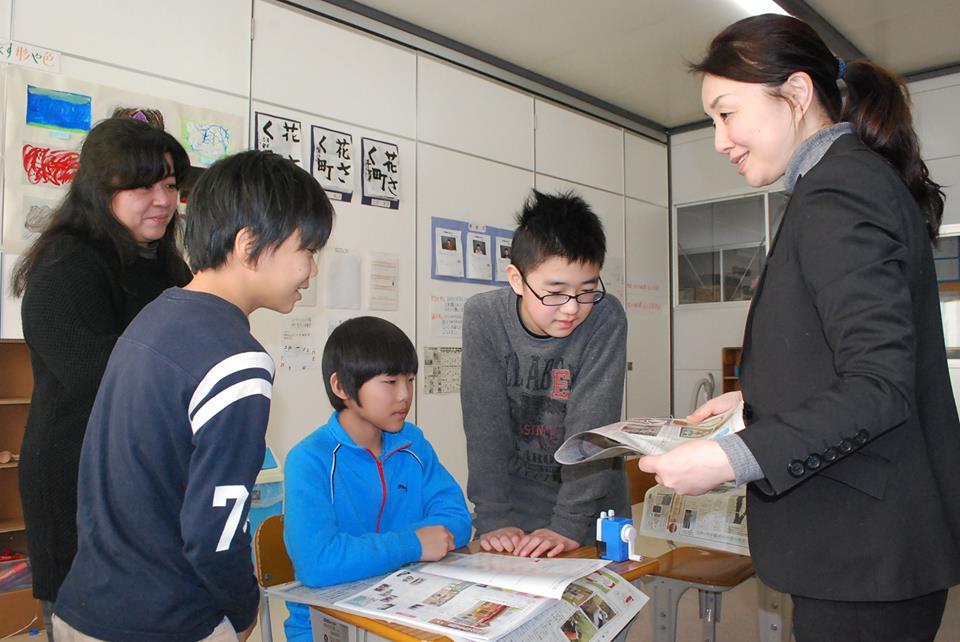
522 396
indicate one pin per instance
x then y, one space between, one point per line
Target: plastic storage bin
15 575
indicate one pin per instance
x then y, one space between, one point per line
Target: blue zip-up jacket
349 515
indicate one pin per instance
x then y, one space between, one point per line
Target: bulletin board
469 252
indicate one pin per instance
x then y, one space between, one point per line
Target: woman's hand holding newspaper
699 466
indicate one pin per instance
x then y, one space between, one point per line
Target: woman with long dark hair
108 250
852 438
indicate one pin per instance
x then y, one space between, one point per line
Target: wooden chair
710 572
273 566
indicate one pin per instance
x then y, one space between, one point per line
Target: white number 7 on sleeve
220 496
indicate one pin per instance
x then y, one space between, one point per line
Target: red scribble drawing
51 166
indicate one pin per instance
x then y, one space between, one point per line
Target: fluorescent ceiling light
757 7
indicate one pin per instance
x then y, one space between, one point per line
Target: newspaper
716 520
595 609
645 436
591 603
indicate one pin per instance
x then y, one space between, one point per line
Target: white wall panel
304 62
946 171
206 43
645 169
701 331
463 111
647 305
577 148
935 118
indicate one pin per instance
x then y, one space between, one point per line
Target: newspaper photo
645 436
717 519
593 609
594 604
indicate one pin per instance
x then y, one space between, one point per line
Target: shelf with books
730 371
16 386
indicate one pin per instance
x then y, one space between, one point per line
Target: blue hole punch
616 538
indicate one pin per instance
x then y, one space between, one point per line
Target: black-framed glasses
584 298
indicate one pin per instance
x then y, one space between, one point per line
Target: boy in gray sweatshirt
543 359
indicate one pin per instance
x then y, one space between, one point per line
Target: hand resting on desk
542 541
435 542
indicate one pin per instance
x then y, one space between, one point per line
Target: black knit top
77 302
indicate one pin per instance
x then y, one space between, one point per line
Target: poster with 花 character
279 135
381 173
331 162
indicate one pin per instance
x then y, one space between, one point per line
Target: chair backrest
638 481
272 562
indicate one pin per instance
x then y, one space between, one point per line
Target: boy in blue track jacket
365 493
176 436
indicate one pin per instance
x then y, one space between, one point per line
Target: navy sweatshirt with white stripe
171 453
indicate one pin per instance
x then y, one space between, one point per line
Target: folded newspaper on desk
645 436
487 597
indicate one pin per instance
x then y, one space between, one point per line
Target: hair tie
841 68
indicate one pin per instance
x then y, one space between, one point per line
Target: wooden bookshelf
730 358
18 607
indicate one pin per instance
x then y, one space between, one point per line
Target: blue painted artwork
59 110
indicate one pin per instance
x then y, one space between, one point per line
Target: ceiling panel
906 37
634 53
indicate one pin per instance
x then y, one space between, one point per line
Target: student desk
629 570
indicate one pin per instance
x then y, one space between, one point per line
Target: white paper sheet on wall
10 324
331 162
478 256
298 345
343 279
381 173
384 281
449 254
446 315
441 370
503 249
283 136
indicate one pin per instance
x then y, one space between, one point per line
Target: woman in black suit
852 439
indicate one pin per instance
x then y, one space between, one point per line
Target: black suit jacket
850 412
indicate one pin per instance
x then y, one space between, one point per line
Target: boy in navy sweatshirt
365 493
176 436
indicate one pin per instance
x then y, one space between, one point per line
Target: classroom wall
470 149
700 174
